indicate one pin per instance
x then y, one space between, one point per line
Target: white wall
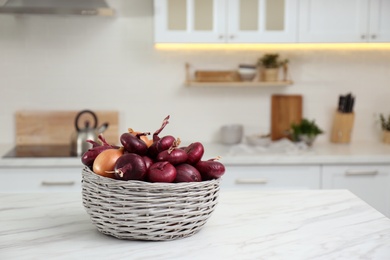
63 63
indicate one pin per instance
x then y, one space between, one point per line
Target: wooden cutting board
285 110
56 127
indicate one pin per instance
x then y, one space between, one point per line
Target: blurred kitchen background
111 63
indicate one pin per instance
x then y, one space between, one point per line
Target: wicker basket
148 211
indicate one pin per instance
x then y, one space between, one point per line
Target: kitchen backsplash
73 63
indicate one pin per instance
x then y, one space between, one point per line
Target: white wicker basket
148 211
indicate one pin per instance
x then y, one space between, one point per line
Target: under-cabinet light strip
281 46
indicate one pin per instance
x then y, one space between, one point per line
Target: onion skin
195 152
104 163
187 173
174 156
210 169
158 131
130 166
133 144
161 172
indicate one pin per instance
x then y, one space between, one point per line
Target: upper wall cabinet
344 21
379 29
262 21
225 21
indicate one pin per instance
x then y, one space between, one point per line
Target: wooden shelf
192 82
239 84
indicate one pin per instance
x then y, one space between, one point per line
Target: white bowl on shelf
247 72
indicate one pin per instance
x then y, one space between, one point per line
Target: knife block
342 127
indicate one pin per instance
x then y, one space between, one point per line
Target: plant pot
270 74
307 139
386 136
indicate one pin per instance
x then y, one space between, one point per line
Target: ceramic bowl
247 72
232 134
258 140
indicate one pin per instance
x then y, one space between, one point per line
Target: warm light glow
265 46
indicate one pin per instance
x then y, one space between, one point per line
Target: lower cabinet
271 177
371 183
40 179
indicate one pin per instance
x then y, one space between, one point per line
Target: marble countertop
318 224
242 154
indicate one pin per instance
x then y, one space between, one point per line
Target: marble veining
315 224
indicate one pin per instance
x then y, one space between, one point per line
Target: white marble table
316 224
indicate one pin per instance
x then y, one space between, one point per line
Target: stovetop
41 151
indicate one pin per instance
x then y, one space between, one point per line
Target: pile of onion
153 160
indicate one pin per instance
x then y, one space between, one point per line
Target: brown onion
104 163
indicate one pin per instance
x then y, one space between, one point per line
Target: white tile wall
60 63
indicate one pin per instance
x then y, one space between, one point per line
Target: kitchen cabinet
225 21
262 21
369 182
344 21
40 179
272 177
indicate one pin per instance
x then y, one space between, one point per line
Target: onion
130 166
173 155
142 136
104 163
210 169
133 144
89 156
161 172
148 161
162 144
187 173
195 152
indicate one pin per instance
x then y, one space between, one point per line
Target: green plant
305 127
385 123
271 60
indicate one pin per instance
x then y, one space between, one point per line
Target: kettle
79 144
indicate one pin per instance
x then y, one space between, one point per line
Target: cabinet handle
57 183
363 36
251 181
232 36
221 37
373 36
360 173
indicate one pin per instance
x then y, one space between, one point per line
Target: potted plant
385 124
270 64
305 131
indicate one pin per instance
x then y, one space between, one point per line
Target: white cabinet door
262 21
369 182
271 177
379 21
225 21
333 20
42 179
189 21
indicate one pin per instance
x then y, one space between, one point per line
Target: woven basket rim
87 172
